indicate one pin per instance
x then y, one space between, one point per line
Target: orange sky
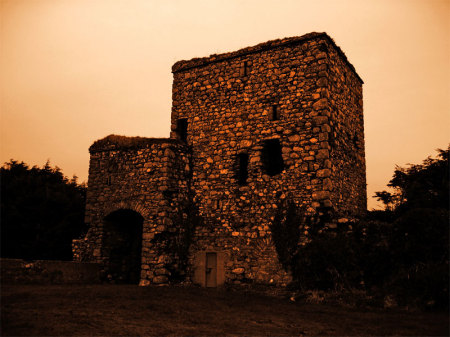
73 71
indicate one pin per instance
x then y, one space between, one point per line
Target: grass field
94 310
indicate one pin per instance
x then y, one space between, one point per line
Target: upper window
271 157
242 174
182 126
245 69
274 114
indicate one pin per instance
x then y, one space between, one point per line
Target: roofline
269 45
116 142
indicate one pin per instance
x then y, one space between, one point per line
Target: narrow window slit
245 69
182 126
218 204
242 169
274 113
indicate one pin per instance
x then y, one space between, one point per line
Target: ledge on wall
116 142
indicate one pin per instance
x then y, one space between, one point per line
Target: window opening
242 169
219 204
323 47
274 113
182 125
245 68
271 157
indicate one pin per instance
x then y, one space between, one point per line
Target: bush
423 285
406 259
327 262
419 248
318 259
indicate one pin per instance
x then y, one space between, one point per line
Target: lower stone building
252 130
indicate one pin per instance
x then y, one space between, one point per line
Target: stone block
320 195
161 279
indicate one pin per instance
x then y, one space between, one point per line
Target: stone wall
347 150
145 175
228 101
281 121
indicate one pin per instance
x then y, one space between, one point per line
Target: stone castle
280 121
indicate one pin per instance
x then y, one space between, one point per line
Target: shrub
328 261
318 259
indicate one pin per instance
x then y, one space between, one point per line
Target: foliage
285 230
327 262
176 241
419 252
42 211
124 142
317 258
401 252
417 218
423 185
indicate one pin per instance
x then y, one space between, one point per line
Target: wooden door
211 269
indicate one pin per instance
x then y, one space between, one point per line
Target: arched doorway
122 245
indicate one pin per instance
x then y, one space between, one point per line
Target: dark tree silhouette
423 185
418 231
41 212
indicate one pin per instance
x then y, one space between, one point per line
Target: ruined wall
148 176
228 101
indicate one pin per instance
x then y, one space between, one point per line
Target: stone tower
282 120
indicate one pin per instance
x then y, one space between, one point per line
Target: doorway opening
122 246
211 270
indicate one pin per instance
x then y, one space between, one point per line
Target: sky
74 71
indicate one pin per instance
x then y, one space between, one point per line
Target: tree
41 212
423 185
418 232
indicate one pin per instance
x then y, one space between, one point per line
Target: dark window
182 125
245 69
218 204
242 169
274 113
323 47
271 157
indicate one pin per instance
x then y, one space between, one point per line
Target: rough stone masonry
280 121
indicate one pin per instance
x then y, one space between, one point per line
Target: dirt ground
94 310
